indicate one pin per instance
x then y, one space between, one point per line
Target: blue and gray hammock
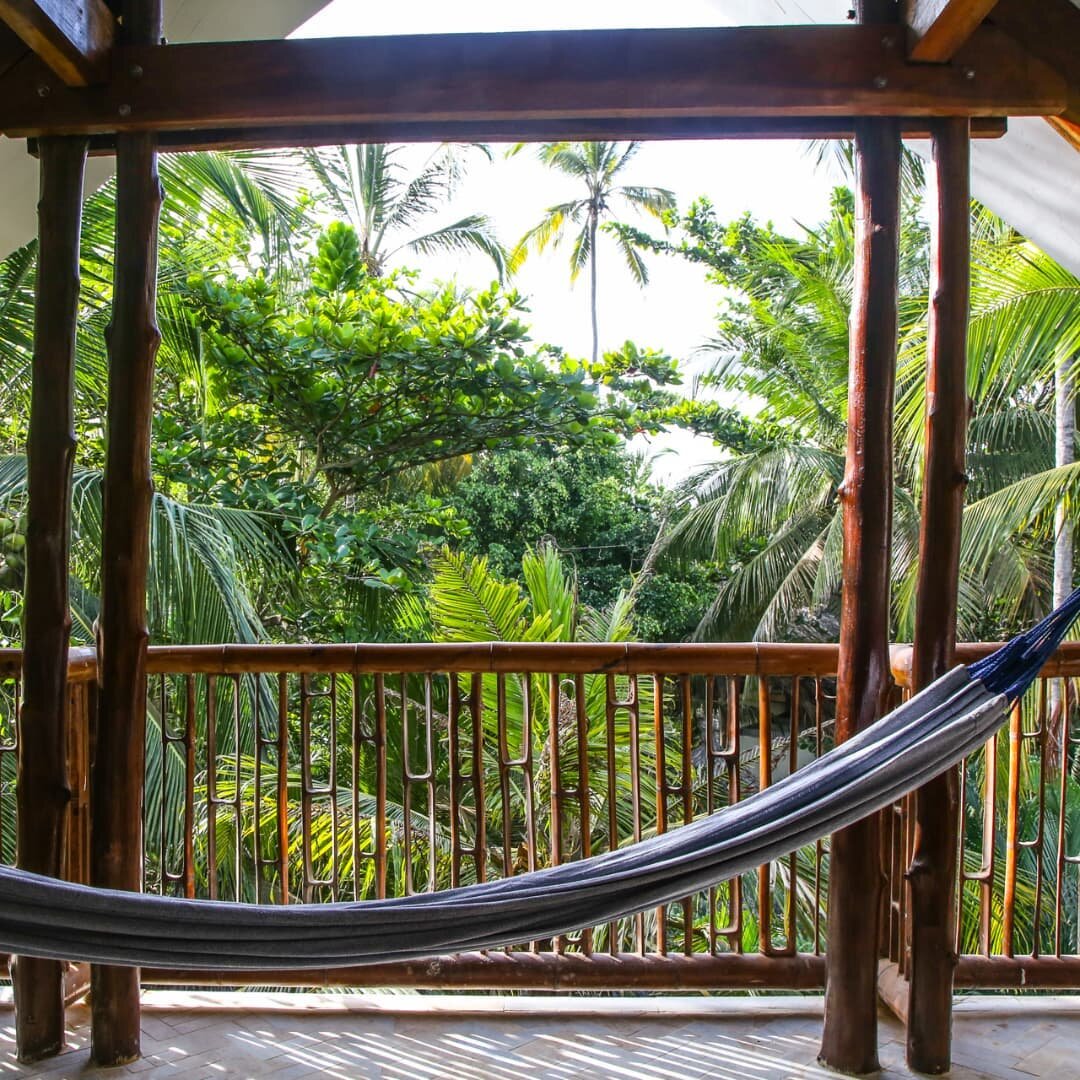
928 734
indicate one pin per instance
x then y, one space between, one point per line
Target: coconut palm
371 187
219 209
596 166
772 514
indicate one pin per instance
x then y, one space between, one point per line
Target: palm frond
650 200
635 262
473 233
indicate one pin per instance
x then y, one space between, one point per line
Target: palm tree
207 562
596 165
370 186
772 515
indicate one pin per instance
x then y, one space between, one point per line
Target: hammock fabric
928 734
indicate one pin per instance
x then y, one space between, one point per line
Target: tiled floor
409 1037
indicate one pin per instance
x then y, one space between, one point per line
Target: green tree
600 509
370 376
334 390
596 167
771 511
209 564
370 187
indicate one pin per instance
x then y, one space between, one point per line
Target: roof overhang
186 21
769 80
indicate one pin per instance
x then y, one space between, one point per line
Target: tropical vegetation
595 168
772 506
346 450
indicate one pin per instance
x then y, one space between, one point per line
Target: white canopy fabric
1030 178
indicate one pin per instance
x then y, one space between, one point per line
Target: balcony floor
411 1037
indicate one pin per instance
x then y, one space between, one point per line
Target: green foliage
770 514
367 377
599 508
371 188
209 565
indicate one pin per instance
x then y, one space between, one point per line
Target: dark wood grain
119 745
940 27
12 49
542 971
44 791
1050 31
656 75
72 39
933 869
505 131
849 1042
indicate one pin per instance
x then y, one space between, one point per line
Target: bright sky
775 181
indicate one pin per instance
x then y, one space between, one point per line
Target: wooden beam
938 28
849 1043
1023 973
540 971
990 127
12 49
72 37
894 990
932 875
43 789
1067 129
1049 31
120 744
599 76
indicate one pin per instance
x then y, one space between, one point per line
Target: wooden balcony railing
1018 917
355 772
303 774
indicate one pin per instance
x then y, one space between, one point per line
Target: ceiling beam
553 77
940 27
268 138
12 48
1067 129
72 37
1050 31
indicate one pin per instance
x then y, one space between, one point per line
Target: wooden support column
849 1043
43 790
119 754
933 868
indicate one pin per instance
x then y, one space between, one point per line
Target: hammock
928 734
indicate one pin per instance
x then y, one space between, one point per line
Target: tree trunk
849 1042
592 288
120 743
43 788
1064 535
932 874
1065 454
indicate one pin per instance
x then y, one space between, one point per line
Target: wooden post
933 868
849 1042
43 790
119 746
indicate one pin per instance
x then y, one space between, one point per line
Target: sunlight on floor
411 1037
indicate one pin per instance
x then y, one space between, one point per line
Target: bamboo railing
569 750
286 774
1018 879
